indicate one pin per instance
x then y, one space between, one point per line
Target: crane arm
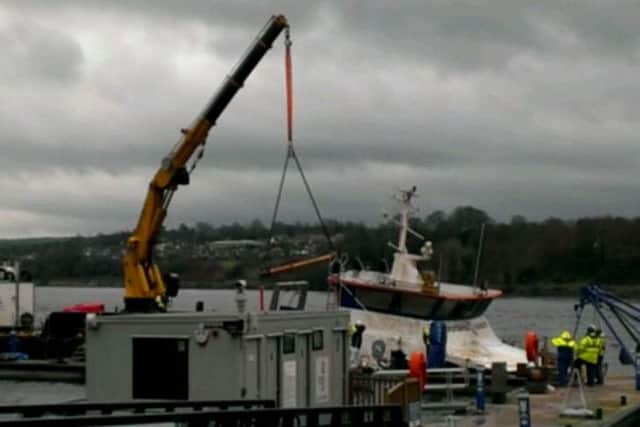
143 281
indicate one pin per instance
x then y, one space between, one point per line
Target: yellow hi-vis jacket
425 335
563 340
588 349
601 345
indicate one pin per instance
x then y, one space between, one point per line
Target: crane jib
146 288
244 67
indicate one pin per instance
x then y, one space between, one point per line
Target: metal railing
138 407
355 416
370 388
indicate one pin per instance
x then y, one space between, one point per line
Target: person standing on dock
588 351
398 356
566 346
356 332
600 342
425 340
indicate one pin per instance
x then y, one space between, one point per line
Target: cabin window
288 343
317 340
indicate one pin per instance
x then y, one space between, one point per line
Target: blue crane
627 316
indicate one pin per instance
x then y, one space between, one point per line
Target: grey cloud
30 50
515 107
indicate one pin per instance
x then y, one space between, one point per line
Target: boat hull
451 302
470 342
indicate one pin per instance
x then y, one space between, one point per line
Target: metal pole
480 392
17 281
261 294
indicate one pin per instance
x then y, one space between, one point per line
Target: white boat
400 303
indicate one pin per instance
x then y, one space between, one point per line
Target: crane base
142 305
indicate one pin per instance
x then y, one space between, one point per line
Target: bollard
524 410
480 392
14 342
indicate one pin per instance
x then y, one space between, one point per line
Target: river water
509 317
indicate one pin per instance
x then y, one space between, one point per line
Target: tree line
519 256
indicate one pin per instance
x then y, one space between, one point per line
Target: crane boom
145 288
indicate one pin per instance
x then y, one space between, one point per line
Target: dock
618 401
43 370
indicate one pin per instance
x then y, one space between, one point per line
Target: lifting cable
291 154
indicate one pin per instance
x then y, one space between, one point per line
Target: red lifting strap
289 83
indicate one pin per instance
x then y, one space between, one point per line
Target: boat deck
546 408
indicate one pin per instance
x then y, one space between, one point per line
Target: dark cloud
515 107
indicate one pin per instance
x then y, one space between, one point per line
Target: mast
404 222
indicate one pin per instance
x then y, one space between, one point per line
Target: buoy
418 367
531 346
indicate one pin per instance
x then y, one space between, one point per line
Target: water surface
510 318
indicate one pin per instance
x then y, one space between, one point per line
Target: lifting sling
291 154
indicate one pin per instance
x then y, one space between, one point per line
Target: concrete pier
546 408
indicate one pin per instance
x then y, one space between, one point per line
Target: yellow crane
145 287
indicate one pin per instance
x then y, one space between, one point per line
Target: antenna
479 259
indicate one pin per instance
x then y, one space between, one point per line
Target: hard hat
591 328
566 335
359 322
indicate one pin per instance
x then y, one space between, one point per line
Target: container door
289 389
304 371
338 367
320 369
165 377
271 389
252 372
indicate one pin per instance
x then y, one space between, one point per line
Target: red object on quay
531 346
418 367
88 307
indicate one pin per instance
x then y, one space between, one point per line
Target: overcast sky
515 107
